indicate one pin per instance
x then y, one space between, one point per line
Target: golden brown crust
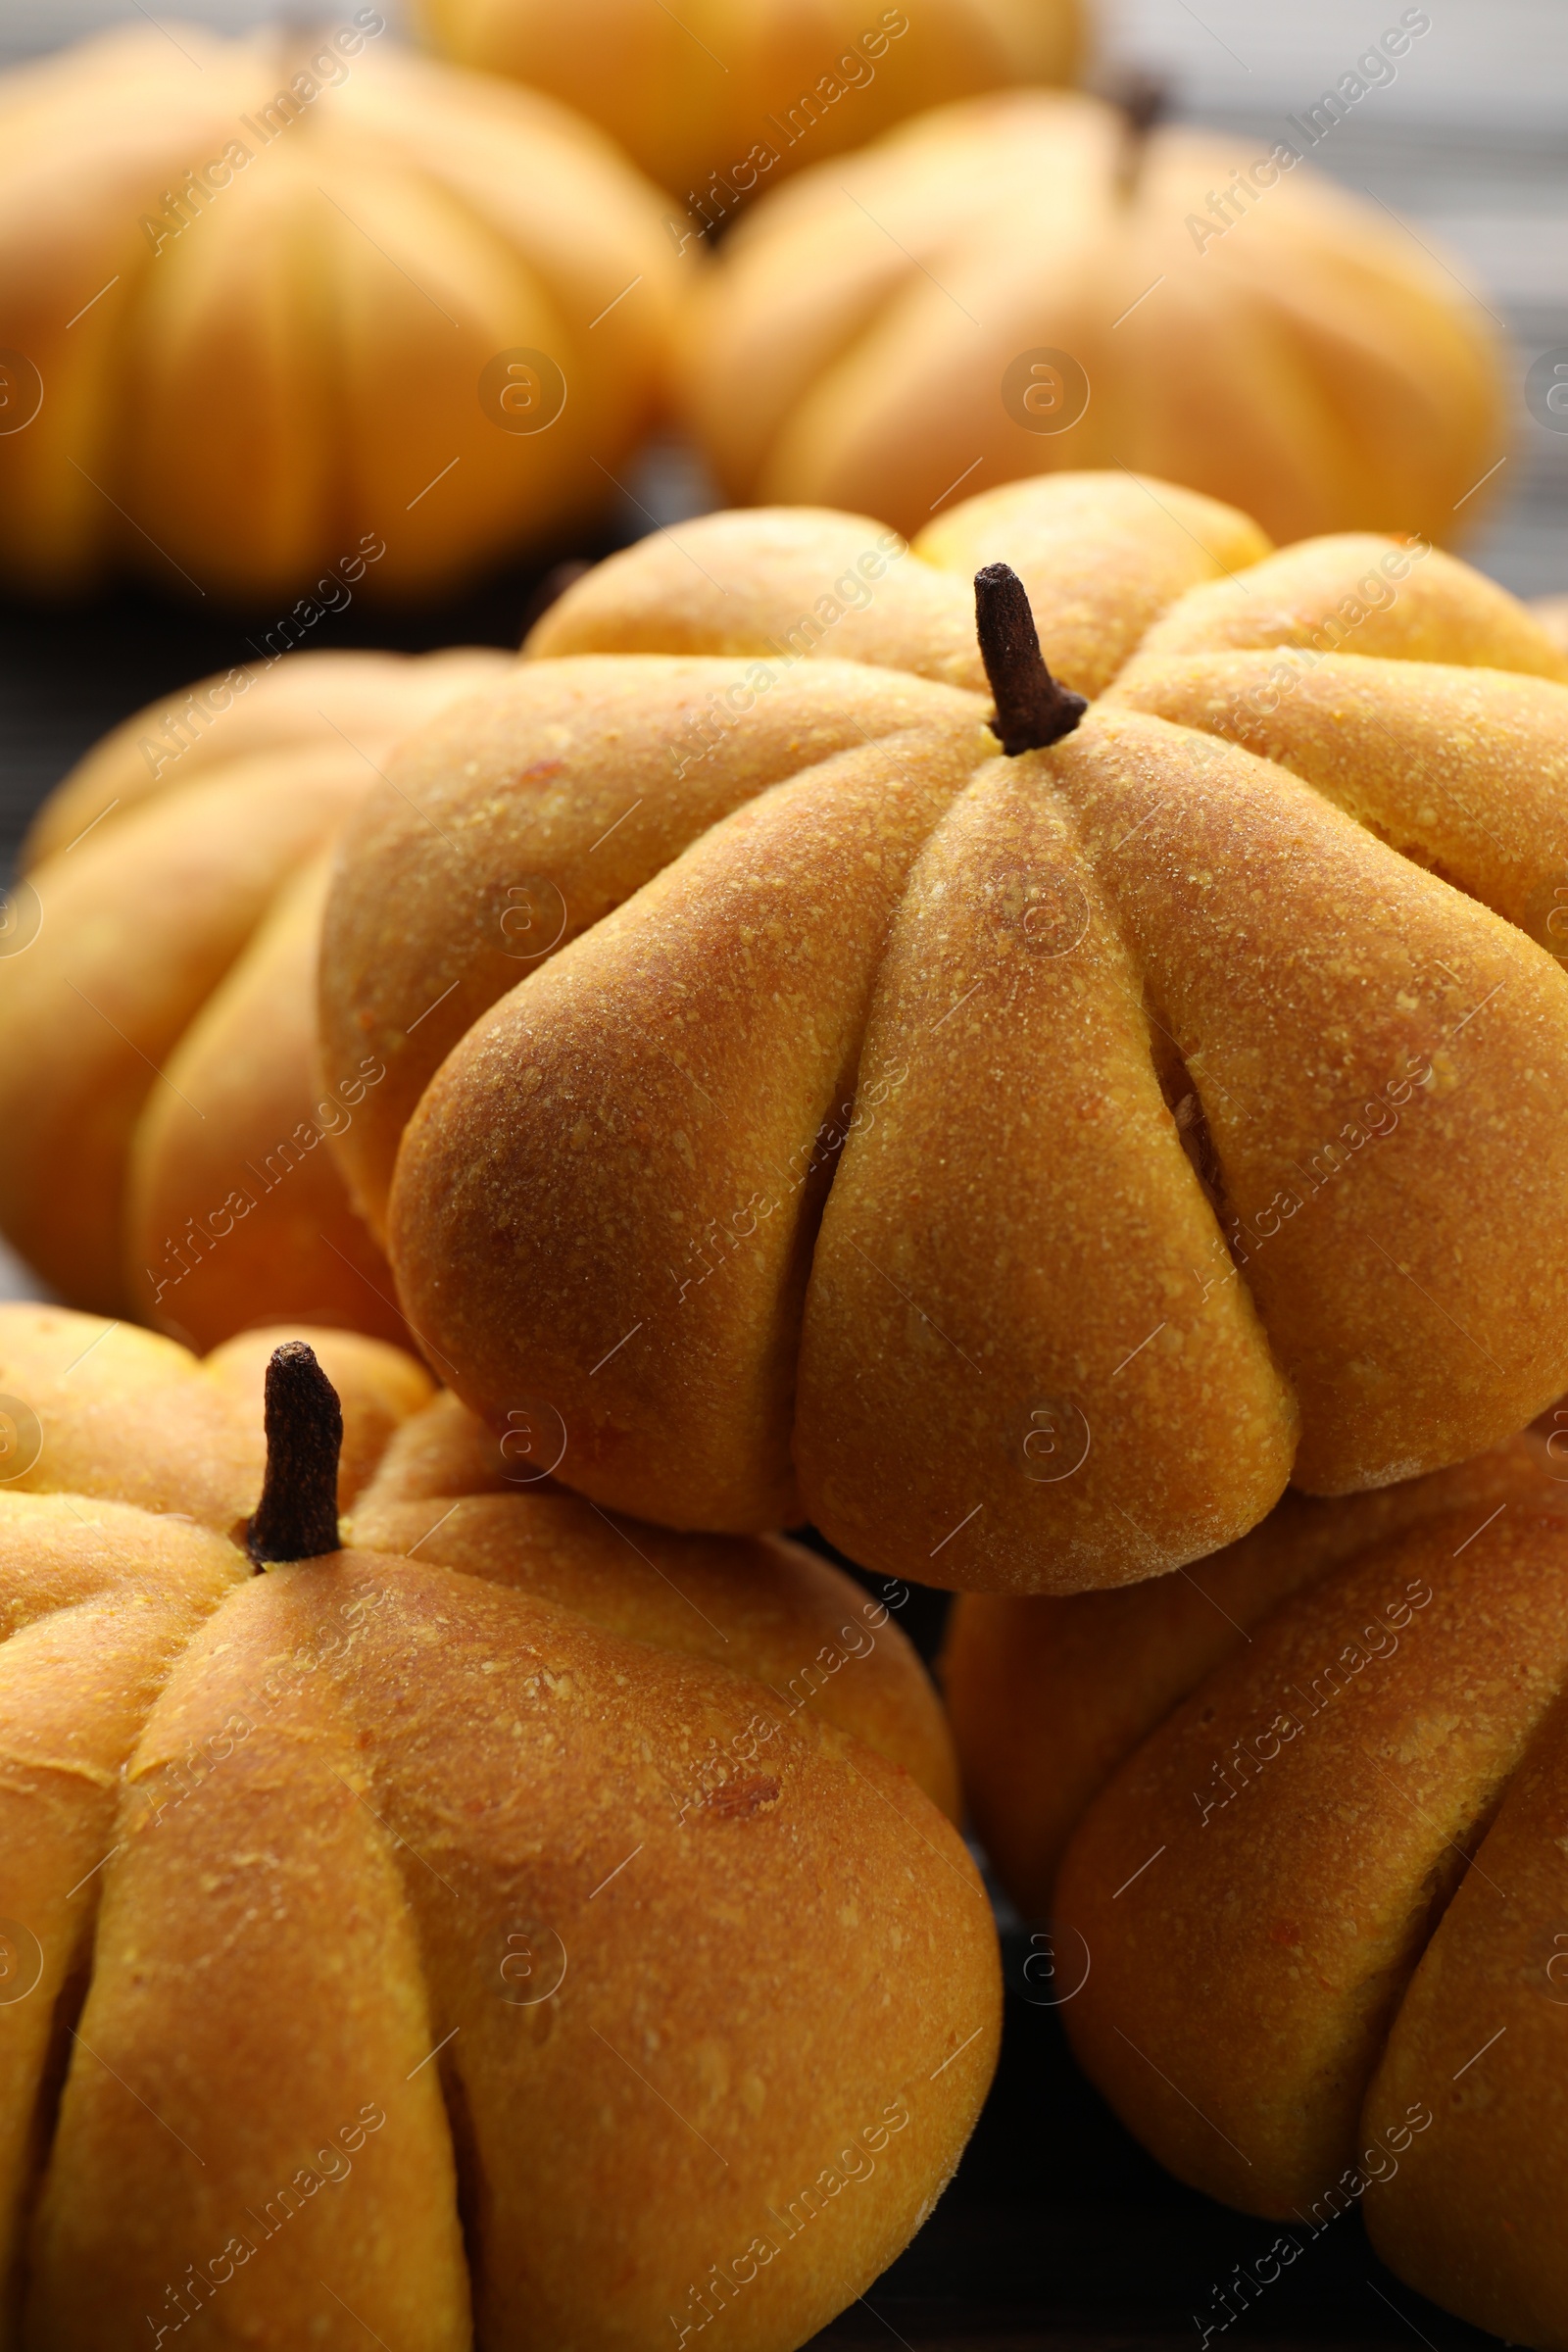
96 1600
1474 2213
675 105
443 1926
336 387
1265 1183
1326 1789
758 1606
1317 995
1329 1001
687 1980
137 930
695 1043
767 1609
108 1410
445 1450
1342 1845
513 824
1040 1724
245 2097
235 1209
1461 770
1102 557
774 334
832 586
1551 614
1006 1291
371 699
157 1055
1347 591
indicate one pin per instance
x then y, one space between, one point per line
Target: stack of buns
1041 1049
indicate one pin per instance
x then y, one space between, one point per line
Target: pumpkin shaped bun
160 1095
1022 1158
275 307
763 87
507 1929
1317 1791
1025 282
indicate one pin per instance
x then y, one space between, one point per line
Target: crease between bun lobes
1021 1166
160 1091
405 1883
1317 1788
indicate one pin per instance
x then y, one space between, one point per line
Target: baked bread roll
518 1926
159 1093
1296 1822
1021 1165
1021 282
742 98
282 306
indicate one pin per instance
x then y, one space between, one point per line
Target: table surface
1057 2230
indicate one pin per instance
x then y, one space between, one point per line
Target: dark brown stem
1032 709
296 1518
1144 101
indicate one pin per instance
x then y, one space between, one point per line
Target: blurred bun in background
740 92
1029 282
271 303
160 1096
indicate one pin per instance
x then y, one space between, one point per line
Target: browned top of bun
434 1905
1022 1166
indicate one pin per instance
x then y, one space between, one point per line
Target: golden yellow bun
1433 609
1021 1166
869 332
108 1410
723 99
1101 554
458 1960
1309 1910
309 702
159 1093
270 378
1048 1696
801 1628
502 833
